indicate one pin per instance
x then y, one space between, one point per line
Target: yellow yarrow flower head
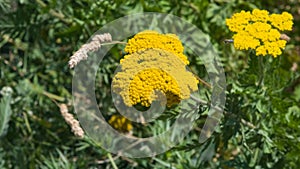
152 69
120 123
260 31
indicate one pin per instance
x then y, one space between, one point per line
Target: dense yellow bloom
155 65
152 39
260 31
153 69
120 123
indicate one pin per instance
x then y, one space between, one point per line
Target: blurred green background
37 37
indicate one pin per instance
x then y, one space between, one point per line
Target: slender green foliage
260 126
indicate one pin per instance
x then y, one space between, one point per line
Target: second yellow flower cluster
260 31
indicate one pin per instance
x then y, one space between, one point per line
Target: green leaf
293 111
297 93
5 113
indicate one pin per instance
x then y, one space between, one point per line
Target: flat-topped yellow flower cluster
260 31
154 66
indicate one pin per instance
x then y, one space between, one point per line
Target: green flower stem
39 90
113 43
27 122
53 96
261 71
203 81
112 161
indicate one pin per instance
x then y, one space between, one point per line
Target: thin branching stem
113 43
112 161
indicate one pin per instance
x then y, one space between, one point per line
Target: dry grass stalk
71 121
93 45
